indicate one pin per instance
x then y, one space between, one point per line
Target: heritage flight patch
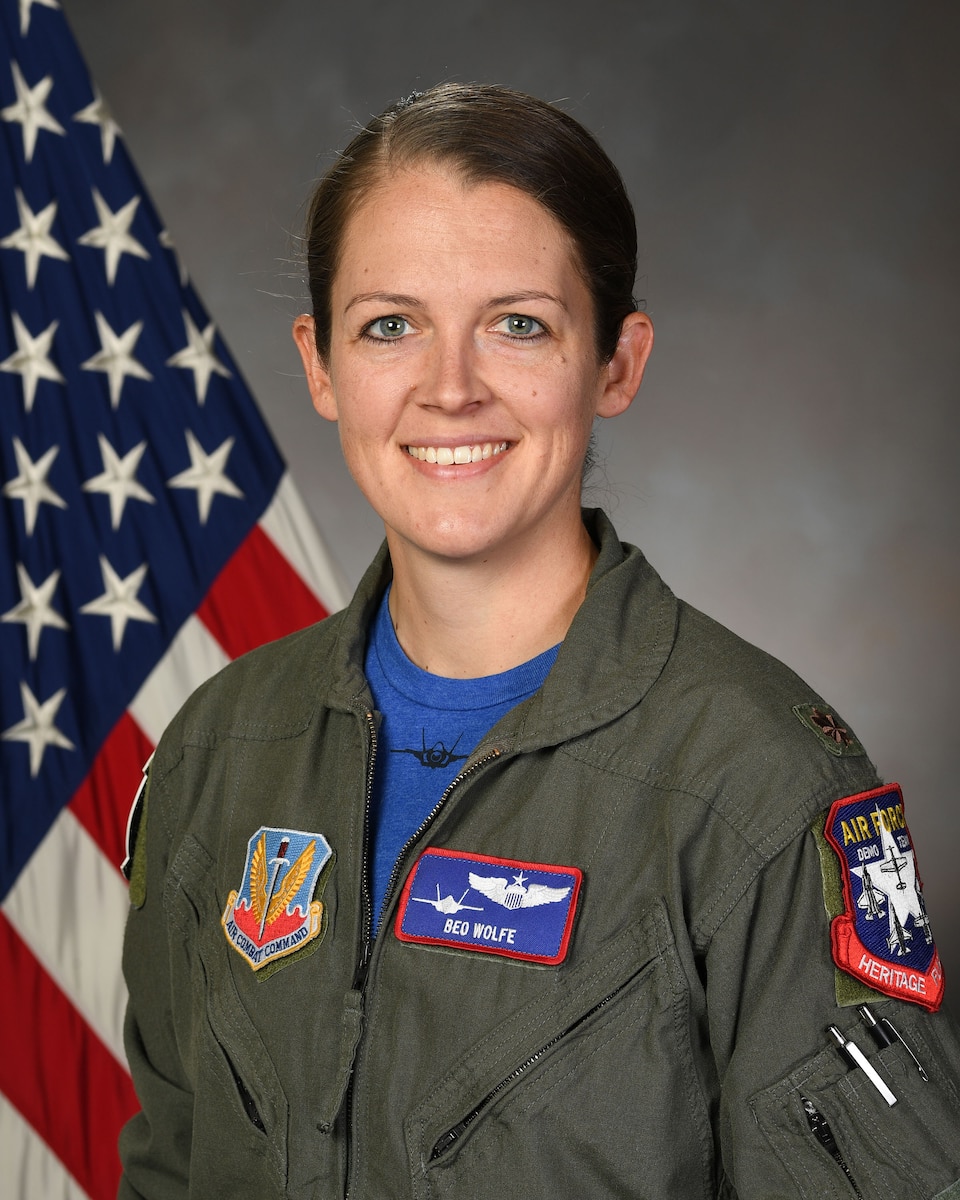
882 937
492 905
274 912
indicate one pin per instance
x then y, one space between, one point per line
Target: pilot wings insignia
517 894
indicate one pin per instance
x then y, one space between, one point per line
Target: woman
513 879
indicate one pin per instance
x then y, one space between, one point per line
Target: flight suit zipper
824 1135
367 932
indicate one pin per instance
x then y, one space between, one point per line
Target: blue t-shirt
429 727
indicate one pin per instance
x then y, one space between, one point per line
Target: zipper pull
824 1135
363 967
446 1140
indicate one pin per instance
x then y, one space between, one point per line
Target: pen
856 1058
877 1031
884 1032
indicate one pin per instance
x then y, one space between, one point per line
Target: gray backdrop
791 463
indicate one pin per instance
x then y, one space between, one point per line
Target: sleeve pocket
838 1137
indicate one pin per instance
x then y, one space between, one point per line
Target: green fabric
138 866
832 733
668 1051
850 991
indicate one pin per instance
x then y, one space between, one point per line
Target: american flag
148 534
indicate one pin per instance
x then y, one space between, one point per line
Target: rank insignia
491 905
882 937
833 734
275 913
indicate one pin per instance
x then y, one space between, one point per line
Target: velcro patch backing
499 906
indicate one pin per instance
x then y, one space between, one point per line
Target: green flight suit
667 1056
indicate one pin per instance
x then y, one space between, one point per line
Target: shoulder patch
831 732
275 913
134 866
882 936
489 905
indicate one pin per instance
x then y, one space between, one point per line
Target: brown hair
490 134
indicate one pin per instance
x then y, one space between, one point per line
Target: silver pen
856 1058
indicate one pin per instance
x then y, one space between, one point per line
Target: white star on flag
37 728
33 237
205 474
217 575
31 111
113 235
25 6
115 358
119 600
118 479
35 610
31 485
166 240
97 113
198 356
31 359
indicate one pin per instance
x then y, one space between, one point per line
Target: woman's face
462 370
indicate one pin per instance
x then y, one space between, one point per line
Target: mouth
449 456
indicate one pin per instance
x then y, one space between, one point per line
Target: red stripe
57 1072
102 802
257 597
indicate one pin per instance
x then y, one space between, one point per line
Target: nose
453 381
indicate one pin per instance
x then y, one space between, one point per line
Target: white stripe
192 657
31 1171
69 904
289 525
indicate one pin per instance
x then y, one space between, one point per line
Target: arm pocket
837 1137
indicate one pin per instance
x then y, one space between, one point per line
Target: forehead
433 215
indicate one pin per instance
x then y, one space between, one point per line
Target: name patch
883 936
492 905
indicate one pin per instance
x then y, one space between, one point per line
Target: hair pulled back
488 134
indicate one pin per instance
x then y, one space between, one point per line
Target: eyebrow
401 300
391 298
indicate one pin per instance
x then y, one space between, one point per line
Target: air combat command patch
882 937
275 913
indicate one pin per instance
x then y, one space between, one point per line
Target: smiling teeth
447 456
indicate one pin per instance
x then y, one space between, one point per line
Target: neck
473 618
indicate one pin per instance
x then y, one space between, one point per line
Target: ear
623 373
318 376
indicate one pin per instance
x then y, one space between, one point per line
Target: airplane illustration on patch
883 936
899 892
447 904
530 915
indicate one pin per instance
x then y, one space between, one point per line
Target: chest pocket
570 1096
266 1078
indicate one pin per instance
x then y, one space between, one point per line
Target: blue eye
520 326
387 328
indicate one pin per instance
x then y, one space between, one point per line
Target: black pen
884 1033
